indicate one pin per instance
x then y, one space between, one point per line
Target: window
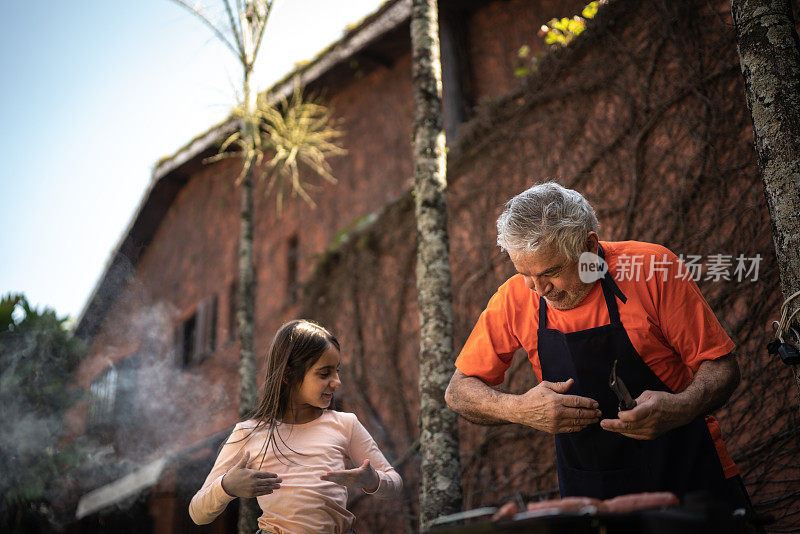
196 337
126 403
113 397
291 270
456 97
102 397
184 341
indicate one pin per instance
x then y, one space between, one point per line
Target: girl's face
319 383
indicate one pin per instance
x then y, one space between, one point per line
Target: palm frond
296 135
198 11
300 133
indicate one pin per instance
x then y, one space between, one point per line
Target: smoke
26 437
37 358
160 406
142 404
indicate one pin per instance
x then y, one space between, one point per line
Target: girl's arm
211 499
363 447
230 478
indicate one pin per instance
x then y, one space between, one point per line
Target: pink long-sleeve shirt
304 503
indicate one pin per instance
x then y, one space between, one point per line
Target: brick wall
645 114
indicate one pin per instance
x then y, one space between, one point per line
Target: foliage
356 225
293 133
7 306
557 32
37 358
562 31
525 63
296 132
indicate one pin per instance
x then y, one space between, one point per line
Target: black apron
602 464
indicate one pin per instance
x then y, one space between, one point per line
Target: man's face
551 275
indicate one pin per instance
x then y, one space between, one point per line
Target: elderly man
650 323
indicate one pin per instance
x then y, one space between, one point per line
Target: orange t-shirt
666 317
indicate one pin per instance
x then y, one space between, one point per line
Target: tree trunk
248 508
769 54
440 491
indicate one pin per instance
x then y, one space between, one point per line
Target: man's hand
655 413
240 481
544 407
547 407
364 477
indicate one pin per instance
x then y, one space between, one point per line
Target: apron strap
610 291
542 313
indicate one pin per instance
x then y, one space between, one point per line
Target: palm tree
296 132
440 491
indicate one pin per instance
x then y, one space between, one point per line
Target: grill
697 519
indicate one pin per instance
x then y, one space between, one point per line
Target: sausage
567 504
621 504
639 501
507 511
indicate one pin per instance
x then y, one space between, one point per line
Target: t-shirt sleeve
363 447
211 499
687 321
490 347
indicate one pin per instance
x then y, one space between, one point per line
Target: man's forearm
478 402
711 386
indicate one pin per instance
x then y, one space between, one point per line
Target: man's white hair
547 214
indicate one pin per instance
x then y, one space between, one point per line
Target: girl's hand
240 481
364 477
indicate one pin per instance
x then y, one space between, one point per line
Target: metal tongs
626 402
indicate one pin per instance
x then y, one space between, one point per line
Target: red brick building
644 112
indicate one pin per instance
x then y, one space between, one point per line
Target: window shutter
205 330
177 345
200 332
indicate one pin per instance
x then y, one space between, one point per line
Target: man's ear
592 241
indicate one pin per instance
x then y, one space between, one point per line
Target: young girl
292 453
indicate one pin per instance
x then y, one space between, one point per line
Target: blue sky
93 94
